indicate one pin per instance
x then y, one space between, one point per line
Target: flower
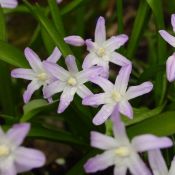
122 153
38 74
116 96
170 64
158 164
59 1
15 158
8 3
70 82
74 40
102 51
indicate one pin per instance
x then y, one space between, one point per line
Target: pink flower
8 3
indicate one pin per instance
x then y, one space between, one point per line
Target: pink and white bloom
158 165
74 40
15 158
115 95
38 75
8 3
170 64
122 153
70 82
102 51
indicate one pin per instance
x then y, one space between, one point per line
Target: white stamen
100 52
122 151
42 76
4 151
72 81
116 96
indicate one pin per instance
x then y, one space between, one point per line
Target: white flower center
72 81
4 151
42 76
116 96
122 151
101 52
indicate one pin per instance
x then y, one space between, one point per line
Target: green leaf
12 55
160 125
119 6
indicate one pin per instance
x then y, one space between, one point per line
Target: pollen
4 151
122 151
116 96
101 52
42 76
72 81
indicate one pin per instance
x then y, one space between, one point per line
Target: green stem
119 6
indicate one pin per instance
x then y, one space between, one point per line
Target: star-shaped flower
8 3
38 75
122 153
15 158
70 82
115 95
102 51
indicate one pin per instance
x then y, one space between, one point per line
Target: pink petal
157 162
135 91
8 167
66 98
31 88
167 37
100 31
18 133
122 79
100 162
102 141
115 42
126 109
120 170
103 114
149 142
55 56
27 159
71 64
90 45
95 99
27 74
172 168
170 68
173 21
83 91
119 59
8 3
74 40
33 59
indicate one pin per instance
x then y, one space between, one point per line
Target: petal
71 64
170 68
157 162
105 69
27 74
90 60
105 84
135 91
56 71
33 59
8 3
100 162
173 21
95 99
116 42
103 114
120 170
90 45
167 37
53 88
119 59
7 167
31 88
172 168
27 159
55 56
18 133
83 91
66 98
102 141
137 166
126 109
59 1
122 79
86 74
100 31
149 142
74 40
